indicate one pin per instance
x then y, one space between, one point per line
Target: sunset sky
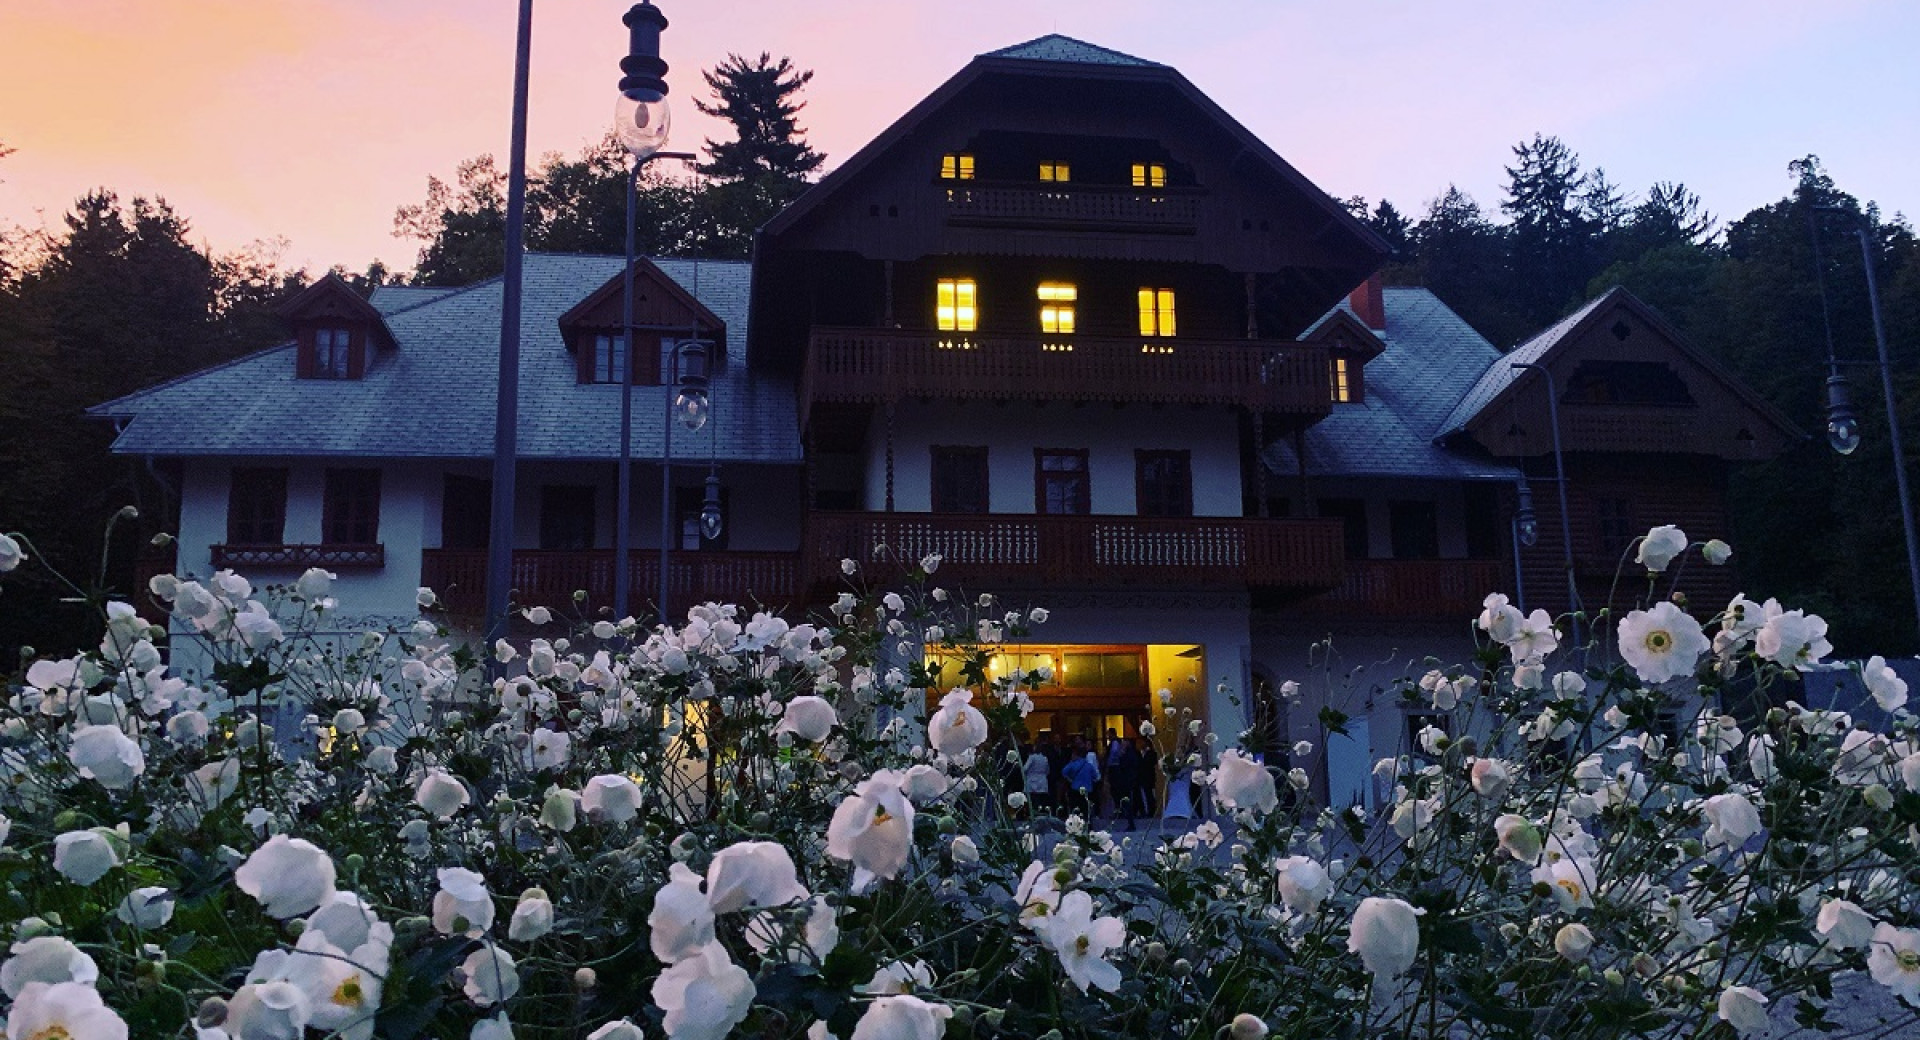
315 119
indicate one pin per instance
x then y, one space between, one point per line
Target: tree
1461 257
1390 224
757 97
1552 243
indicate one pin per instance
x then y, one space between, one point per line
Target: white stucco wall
1012 431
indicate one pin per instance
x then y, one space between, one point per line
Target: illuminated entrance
1093 688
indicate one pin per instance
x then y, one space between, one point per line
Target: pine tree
757 97
1553 243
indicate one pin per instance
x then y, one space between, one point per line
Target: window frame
957 166
940 456
349 510
271 484
1149 175
340 343
1056 171
1341 385
1082 504
950 314
1059 307
1177 504
1158 311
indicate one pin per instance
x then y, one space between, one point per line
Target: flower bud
32 928
1877 796
585 979
211 1014
1247 1027
1573 942
1182 968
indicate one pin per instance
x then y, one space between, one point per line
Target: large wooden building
1065 323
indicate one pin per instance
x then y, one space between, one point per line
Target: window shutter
356 351
583 351
303 354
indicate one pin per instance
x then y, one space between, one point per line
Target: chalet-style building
1067 324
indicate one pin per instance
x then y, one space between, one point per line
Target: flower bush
742 825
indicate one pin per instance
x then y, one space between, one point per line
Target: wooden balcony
1073 207
1412 590
866 366
359 557
983 551
549 578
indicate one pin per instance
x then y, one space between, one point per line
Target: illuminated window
1055 172
1342 381
956 167
1056 307
955 307
1156 312
1149 175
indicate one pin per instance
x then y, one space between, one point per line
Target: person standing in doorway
1115 749
1124 779
1082 777
1148 778
1037 774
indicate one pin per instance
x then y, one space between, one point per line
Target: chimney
1368 303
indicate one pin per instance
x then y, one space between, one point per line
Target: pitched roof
1432 357
433 396
1055 47
1501 374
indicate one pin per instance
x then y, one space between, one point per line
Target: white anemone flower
1303 883
289 876
1888 689
1386 935
10 554
146 908
46 959
63 1010
275 1009
1659 546
704 996
1894 961
107 756
899 977
1745 1009
1241 783
873 829
1844 925
1731 819
753 874
84 857
1573 941
808 718
611 797
441 794
548 749
343 987
682 919
1663 643
958 727
1792 638
1038 893
1490 778
532 916
619 1029
902 1018
1082 941
1535 638
492 976
463 896
819 933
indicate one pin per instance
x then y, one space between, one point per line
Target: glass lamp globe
710 521
641 125
1843 434
692 408
1529 531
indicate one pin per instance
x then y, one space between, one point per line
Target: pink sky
314 120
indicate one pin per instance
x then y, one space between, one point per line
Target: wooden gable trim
601 309
1342 331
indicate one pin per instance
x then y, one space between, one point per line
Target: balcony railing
1013 549
354 556
549 578
874 365
1164 210
1409 590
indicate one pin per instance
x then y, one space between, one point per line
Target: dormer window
1149 175
336 332
332 352
956 167
1055 171
1340 380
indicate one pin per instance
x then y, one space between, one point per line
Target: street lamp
1526 525
1843 428
1560 473
506 416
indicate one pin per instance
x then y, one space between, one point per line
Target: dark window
1485 531
609 359
1060 485
608 363
1352 514
1415 527
466 512
1616 526
959 480
257 507
687 504
1626 382
1164 482
350 514
567 516
332 352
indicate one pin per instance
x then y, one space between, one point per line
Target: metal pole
1560 472
506 419
1519 585
669 359
1893 420
623 506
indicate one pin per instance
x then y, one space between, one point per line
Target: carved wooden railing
353 556
875 365
1436 590
1299 555
1165 210
549 578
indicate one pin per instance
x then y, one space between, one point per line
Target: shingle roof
1501 374
1432 357
1055 47
434 396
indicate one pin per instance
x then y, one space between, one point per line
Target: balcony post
889 455
1259 464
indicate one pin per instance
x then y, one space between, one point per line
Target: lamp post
690 407
1843 428
506 417
1560 474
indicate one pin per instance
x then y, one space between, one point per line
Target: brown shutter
303 353
583 348
356 351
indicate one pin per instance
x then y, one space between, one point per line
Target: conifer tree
758 98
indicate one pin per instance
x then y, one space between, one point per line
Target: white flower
1534 639
150 907
808 717
10 557
46 959
347 923
682 919
1386 935
820 933
902 1018
1844 925
499 1028
463 896
1792 638
342 986
84 857
1573 941
383 760
1241 783
965 851
1499 619
107 756
1732 820
924 783
1518 837
1745 1008
1661 644
539 616
560 810
1894 961
314 583
704 996
752 874
548 749
532 916
1038 615
1303 883
425 598
62 1011
899 977
289 876
930 562
270 1010
1660 546
1569 877
1888 689
958 727
1490 778
612 797
441 794
1082 941
873 829
1717 552
492 976
1038 893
